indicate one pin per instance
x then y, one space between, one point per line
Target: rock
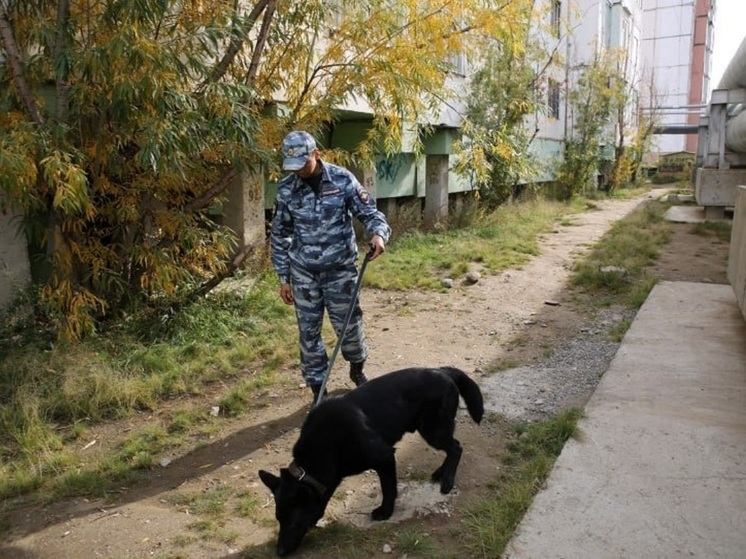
472 278
613 270
447 282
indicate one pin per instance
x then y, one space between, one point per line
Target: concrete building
677 56
586 30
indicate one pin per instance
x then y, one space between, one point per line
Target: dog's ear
270 480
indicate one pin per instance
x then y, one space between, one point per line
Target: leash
348 316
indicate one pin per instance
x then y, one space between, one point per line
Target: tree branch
203 201
61 64
219 71
16 65
261 42
236 44
230 269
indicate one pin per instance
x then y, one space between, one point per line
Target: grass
50 394
343 540
720 230
492 520
617 269
213 508
493 243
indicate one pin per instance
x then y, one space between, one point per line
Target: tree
111 152
125 120
633 129
591 107
504 94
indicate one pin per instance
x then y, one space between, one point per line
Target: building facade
677 57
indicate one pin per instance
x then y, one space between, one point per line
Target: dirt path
516 318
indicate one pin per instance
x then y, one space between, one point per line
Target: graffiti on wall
388 168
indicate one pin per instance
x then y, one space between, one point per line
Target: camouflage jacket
315 231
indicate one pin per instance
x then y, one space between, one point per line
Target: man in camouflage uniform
314 252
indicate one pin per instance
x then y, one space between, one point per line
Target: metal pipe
734 77
667 107
677 129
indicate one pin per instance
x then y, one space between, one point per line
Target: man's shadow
195 464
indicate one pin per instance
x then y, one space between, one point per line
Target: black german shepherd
350 434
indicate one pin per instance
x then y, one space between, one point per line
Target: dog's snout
288 542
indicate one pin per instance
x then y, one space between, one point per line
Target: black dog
347 435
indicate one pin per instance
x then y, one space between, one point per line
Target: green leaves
494 153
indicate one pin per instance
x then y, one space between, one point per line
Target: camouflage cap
296 148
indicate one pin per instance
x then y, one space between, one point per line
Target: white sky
730 30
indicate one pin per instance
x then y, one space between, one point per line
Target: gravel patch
567 378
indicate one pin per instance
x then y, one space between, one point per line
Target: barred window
556 17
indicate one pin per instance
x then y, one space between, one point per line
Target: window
458 64
606 25
553 99
556 14
626 32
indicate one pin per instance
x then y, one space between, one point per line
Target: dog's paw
446 485
382 513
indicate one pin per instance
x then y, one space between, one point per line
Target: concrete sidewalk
659 470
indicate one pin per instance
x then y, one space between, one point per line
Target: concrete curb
660 468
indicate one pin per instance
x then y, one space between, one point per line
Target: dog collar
300 474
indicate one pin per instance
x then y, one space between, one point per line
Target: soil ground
512 321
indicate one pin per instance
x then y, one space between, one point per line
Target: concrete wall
716 187
737 256
15 271
244 210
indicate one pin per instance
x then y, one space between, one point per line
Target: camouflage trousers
330 290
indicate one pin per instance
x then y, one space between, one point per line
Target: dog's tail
469 390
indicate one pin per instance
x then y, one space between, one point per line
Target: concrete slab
686 214
659 470
695 214
15 268
717 187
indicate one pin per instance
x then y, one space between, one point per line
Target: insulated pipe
735 133
734 77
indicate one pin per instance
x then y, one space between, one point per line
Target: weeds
721 230
532 453
134 365
617 267
492 243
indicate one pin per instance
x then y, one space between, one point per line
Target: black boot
356 373
316 389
